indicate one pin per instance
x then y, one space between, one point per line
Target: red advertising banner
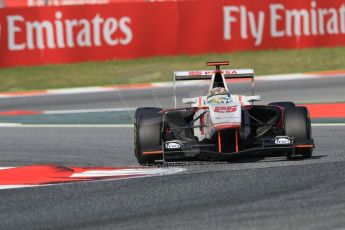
25 3
46 35
222 26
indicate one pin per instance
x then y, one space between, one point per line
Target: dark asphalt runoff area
249 193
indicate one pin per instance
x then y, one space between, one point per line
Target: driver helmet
218 95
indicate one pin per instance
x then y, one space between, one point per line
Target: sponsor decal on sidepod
172 145
282 141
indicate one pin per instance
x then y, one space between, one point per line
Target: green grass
161 68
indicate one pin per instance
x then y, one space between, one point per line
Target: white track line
3 168
78 90
127 172
129 109
328 124
16 186
10 124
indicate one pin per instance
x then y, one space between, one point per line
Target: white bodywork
220 113
201 101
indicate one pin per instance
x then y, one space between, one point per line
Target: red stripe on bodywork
236 137
214 63
227 126
202 123
304 146
153 152
219 142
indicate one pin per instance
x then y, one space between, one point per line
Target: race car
220 125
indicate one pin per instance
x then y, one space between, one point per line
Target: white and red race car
220 125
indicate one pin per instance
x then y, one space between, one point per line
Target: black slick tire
297 125
147 134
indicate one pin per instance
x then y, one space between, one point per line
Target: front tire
297 125
148 134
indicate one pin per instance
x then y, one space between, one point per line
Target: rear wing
207 74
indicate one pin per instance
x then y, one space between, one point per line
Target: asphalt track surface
251 193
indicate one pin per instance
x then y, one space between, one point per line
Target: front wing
211 151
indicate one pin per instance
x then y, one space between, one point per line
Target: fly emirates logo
67 33
283 22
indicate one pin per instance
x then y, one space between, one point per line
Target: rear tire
147 134
297 125
284 104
